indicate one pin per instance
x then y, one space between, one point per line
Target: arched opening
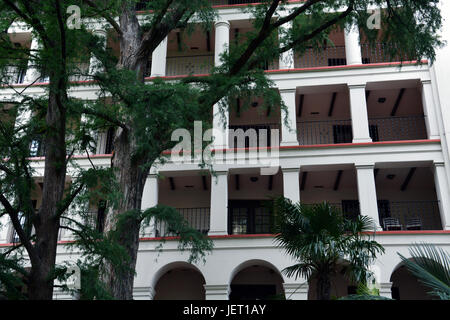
179 281
256 280
341 285
406 286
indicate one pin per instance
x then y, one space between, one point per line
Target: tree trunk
40 285
129 174
323 287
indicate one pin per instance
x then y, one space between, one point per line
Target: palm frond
432 266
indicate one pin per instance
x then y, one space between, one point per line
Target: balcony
327 56
196 218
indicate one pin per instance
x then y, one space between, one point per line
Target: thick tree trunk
129 174
40 286
323 287
131 178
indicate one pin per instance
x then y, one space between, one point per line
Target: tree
432 266
412 24
145 114
320 238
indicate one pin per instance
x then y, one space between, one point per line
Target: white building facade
367 135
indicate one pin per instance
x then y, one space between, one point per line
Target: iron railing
380 129
262 133
183 65
231 2
324 132
398 128
379 53
197 218
15 75
410 215
246 220
328 56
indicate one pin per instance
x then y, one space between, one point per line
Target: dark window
366 60
337 62
350 209
384 209
373 131
342 134
101 215
249 217
37 147
109 141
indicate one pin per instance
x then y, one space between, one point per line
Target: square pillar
291 184
149 200
429 110
32 74
94 63
296 291
217 291
219 204
287 57
159 60
352 45
386 290
367 193
358 110
221 117
443 193
289 130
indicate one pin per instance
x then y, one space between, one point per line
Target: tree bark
40 285
323 286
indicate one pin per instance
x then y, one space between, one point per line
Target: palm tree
319 237
432 266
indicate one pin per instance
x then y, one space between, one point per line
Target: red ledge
266 235
312 69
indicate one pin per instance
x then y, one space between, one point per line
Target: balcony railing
197 218
398 128
231 2
410 215
261 132
15 75
328 56
380 129
324 132
378 53
183 65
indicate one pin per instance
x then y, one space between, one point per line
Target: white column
149 200
217 291
385 290
443 193
159 59
287 57
291 184
358 110
352 45
221 119
429 110
296 291
94 63
219 204
32 73
143 293
367 193
289 130
4 229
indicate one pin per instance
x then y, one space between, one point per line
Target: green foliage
431 265
321 238
12 277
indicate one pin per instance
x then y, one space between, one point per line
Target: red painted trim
265 235
79 156
412 232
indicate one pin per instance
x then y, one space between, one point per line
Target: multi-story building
364 133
